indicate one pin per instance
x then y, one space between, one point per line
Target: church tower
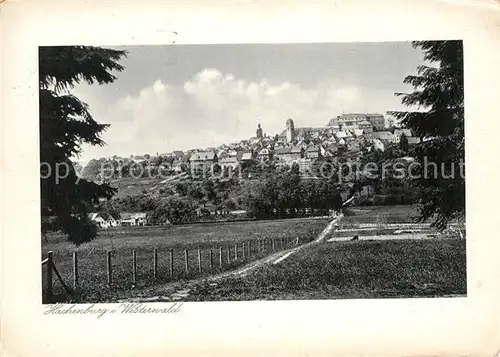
259 132
290 131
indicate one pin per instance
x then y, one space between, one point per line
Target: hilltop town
345 134
177 181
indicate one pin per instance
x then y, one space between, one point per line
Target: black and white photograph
240 172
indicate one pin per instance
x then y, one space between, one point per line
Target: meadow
353 269
122 241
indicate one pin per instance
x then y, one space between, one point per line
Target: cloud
212 108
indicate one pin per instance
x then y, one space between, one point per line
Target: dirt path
178 290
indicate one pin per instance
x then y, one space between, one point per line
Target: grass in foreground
122 241
361 269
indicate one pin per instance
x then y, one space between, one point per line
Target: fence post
228 255
274 244
243 250
134 267
75 270
186 260
199 260
49 276
171 263
211 258
220 257
249 249
155 263
110 278
236 252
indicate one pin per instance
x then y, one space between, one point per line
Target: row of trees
285 194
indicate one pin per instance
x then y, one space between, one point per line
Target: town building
399 132
259 132
290 131
384 136
246 157
229 162
264 155
312 152
366 126
289 154
202 160
353 145
377 120
412 140
98 220
133 219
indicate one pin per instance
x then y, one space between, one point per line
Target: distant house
254 140
230 162
98 219
358 132
103 220
110 220
353 145
133 219
330 150
177 154
334 128
202 160
313 152
366 126
341 134
246 157
264 155
283 153
413 140
290 154
384 136
398 132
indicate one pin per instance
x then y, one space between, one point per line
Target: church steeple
259 132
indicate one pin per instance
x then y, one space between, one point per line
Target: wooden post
155 263
243 250
220 257
249 249
199 260
75 270
186 260
236 252
274 244
49 276
228 255
134 267
171 263
110 278
211 258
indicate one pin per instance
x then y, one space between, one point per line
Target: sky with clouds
178 97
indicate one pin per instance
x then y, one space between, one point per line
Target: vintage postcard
289 190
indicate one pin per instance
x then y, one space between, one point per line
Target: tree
439 119
403 143
66 124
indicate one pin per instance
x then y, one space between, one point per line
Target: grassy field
378 215
362 269
122 241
